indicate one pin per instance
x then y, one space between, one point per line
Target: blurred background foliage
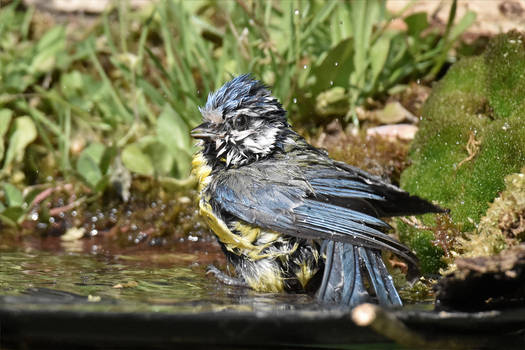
100 104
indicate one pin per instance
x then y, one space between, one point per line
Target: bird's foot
224 278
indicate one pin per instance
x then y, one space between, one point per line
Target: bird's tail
342 281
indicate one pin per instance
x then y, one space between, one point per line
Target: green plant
120 97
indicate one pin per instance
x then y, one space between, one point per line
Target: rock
401 131
485 282
393 113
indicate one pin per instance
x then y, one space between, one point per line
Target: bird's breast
202 170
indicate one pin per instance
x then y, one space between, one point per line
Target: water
141 281
152 298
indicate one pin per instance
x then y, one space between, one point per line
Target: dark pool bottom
73 300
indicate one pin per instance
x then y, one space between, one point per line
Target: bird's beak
202 131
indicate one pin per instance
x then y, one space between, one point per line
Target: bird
287 216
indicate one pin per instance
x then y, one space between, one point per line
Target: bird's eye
240 122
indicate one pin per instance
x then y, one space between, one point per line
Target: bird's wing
396 202
313 208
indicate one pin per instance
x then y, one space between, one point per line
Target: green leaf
102 184
48 50
5 119
136 160
13 195
107 158
23 132
336 68
183 164
416 23
160 156
463 24
378 56
89 169
172 131
12 215
96 151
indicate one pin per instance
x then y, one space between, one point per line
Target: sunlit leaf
89 169
5 119
136 160
13 195
23 132
378 55
172 131
160 156
96 151
465 22
48 49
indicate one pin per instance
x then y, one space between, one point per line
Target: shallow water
154 282
152 297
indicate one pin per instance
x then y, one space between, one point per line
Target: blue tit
288 217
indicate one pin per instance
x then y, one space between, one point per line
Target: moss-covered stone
423 244
472 133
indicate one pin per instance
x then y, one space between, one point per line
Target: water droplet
296 12
336 64
331 83
305 66
294 100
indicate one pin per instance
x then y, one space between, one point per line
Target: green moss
472 134
506 58
422 242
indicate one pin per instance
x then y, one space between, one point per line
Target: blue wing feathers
323 204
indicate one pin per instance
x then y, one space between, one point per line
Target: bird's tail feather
342 281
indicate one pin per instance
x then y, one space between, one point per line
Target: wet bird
287 216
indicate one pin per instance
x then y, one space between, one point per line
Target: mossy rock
472 134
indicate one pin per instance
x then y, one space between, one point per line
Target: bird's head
242 122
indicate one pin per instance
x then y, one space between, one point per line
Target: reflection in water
157 283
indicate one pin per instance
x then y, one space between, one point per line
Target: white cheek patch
262 143
240 135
